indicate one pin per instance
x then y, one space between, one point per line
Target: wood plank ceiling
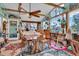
45 9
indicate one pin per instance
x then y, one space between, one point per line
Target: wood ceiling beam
64 13
56 7
31 21
6 9
59 5
59 14
52 4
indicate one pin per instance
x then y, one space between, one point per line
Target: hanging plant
59 20
62 22
63 8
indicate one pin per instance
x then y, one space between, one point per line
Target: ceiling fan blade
13 10
36 15
35 12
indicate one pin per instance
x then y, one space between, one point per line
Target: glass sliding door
13 25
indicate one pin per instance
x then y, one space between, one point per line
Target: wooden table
32 36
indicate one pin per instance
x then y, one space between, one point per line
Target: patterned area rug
47 52
52 52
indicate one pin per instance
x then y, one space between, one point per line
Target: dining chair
43 39
22 38
48 37
75 46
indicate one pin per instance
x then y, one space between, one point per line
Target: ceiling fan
22 10
33 13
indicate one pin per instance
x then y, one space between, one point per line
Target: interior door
13 27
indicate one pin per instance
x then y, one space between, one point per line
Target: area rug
52 52
45 52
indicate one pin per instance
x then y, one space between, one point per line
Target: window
55 24
45 24
33 26
74 22
13 29
56 11
30 26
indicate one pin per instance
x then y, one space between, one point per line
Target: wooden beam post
67 22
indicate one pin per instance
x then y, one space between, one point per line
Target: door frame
9 29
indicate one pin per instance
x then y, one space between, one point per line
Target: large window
55 25
45 24
30 26
74 22
55 22
33 26
56 11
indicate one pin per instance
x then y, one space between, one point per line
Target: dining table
31 37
